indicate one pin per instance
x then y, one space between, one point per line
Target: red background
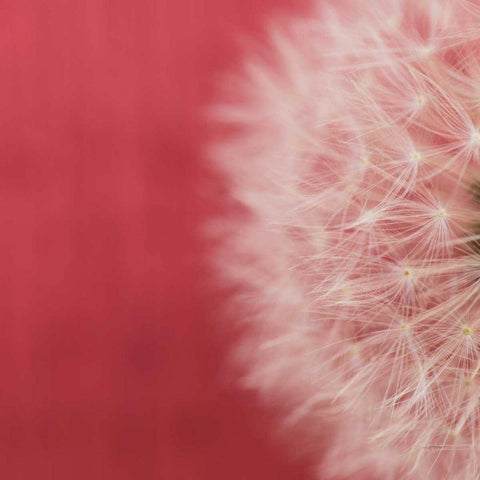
109 364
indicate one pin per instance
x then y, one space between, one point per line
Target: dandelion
355 153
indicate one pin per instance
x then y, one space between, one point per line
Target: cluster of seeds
356 152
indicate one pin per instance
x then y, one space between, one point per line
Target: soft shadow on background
109 368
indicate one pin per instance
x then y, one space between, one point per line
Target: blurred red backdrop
109 364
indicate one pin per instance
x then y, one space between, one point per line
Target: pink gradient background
110 367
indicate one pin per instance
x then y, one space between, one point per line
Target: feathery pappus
354 152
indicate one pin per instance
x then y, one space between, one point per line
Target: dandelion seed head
353 154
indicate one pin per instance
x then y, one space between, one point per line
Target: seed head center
467 331
426 51
420 101
416 157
